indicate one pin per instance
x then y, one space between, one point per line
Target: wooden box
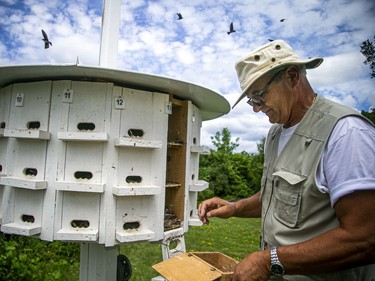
197 266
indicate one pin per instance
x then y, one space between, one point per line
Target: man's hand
255 267
215 207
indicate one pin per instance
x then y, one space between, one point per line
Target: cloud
345 67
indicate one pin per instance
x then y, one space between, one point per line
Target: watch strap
274 257
277 268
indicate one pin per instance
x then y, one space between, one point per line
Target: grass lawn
235 237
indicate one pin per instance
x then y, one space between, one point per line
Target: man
317 192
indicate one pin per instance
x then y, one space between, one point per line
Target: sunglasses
258 99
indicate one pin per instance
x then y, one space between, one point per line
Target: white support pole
110 32
97 262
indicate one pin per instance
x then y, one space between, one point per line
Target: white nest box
92 154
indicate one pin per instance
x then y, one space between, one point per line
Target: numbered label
67 96
168 108
19 99
119 103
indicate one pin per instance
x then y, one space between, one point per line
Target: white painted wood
50 193
97 263
3 154
119 155
27 134
194 125
109 33
83 157
83 136
195 221
174 235
27 216
210 103
24 183
107 227
203 150
137 142
144 113
136 190
138 163
36 105
67 234
79 206
7 204
138 219
5 98
3 201
28 159
89 106
80 186
134 236
21 229
58 150
198 186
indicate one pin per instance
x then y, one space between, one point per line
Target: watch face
277 269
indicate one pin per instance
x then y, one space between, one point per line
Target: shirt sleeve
348 160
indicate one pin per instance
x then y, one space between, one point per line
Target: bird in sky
47 43
179 16
282 20
231 29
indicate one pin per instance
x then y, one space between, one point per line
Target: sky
197 49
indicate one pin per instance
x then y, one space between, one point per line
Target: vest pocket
288 192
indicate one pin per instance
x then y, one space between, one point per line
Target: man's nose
256 108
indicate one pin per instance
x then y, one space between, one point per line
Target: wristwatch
277 269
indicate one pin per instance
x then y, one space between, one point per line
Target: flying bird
179 16
282 20
45 39
231 29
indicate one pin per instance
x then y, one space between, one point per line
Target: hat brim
310 64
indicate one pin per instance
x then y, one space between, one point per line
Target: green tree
220 170
222 142
230 175
368 50
370 115
256 168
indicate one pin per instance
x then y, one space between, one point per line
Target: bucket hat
273 55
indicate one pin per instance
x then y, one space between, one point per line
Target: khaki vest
293 209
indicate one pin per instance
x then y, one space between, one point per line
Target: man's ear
293 75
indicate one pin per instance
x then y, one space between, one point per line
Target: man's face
274 99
